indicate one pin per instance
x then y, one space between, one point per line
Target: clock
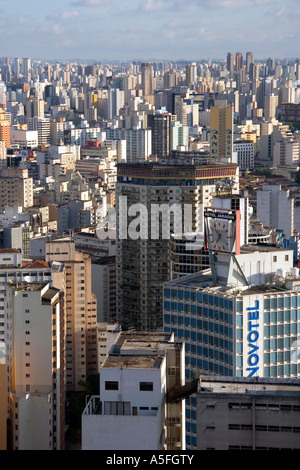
220 235
222 228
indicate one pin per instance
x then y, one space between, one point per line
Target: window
146 386
111 385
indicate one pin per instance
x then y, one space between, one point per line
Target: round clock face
220 237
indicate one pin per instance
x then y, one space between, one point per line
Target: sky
149 29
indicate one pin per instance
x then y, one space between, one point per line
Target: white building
286 153
245 154
275 208
179 135
37 399
133 411
24 138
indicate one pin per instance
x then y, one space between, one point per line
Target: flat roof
133 362
218 384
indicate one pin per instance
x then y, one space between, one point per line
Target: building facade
248 414
142 261
81 311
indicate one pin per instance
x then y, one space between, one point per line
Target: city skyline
158 29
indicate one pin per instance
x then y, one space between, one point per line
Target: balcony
116 408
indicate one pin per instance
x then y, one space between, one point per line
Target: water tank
281 272
295 272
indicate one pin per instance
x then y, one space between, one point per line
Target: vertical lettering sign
253 336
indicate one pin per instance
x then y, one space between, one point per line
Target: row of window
261 427
144 386
199 297
216 315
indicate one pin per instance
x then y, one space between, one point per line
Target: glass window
287 329
280 330
273 343
287 302
280 302
267 331
180 294
287 315
273 303
273 330
109 385
239 334
187 295
273 357
273 317
280 316
146 386
267 304
267 317
167 292
267 358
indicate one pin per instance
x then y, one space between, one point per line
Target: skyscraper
81 311
238 61
230 62
147 78
221 133
249 61
160 124
142 259
191 74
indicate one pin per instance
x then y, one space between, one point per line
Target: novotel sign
253 337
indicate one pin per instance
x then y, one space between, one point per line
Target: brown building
81 312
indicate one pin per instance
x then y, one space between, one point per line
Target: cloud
65 15
91 3
184 5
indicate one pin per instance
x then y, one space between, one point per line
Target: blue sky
156 29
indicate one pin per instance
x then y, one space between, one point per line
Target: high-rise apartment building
15 271
270 106
3 397
115 101
221 133
191 74
160 125
5 133
275 208
16 189
142 261
81 311
249 61
230 62
147 78
37 393
238 61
